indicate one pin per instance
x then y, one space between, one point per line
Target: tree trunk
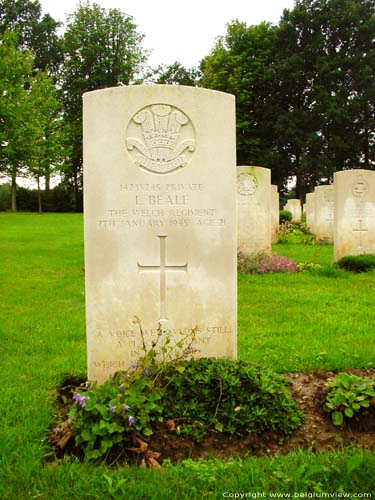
40 211
14 192
47 185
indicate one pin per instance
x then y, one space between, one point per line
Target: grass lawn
303 321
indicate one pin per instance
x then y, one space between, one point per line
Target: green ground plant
349 395
285 216
286 322
295 232
228 396
357 263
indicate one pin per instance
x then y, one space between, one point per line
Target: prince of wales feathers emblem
161 150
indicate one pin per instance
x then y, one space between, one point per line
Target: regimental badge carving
160 138
247 184
359 186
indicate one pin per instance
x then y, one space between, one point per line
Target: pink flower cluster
264 263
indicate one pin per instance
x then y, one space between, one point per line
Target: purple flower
147 372
121 387
81 400
112 408
134 366
131 420
126 408
124 376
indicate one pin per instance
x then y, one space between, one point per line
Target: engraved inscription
247 184
162 269
162 206
160 138
129 340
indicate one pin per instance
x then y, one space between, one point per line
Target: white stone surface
160 223
354 213
324 213
275 211
254 209
310 212
294 206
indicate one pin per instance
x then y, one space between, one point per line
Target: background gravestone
310 212
160 225
275 213
254 209
324 213
354 213
294 206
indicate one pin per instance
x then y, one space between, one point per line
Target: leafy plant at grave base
295 232
234 397
192 395
349 395
264 263
285 216
128 404
357 263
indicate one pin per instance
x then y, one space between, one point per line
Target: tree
16 133
35 33
102 49
326 94
26 108
304 89
243 63
49 145
176 74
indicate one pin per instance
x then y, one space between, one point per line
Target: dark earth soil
317 431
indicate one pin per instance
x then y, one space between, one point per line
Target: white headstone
354 213
274 213
324 213
160 223
254 209
310 212
294 206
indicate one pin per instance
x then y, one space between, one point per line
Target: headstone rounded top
156 88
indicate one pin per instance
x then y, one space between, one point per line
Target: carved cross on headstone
162 268
360 230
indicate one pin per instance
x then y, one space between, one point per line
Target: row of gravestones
342 213
162 196
257 210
